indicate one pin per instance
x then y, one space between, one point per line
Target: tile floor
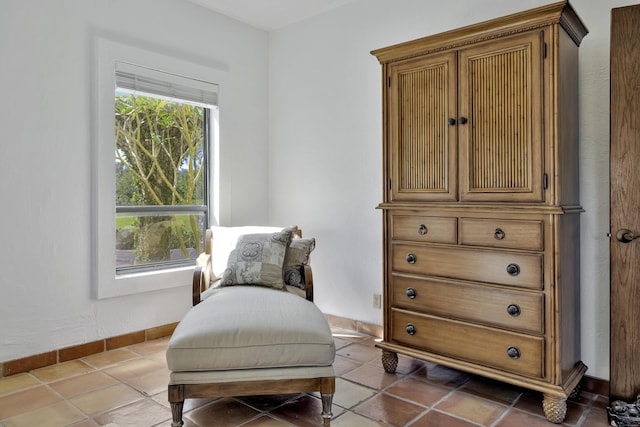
127 387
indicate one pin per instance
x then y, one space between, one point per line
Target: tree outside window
161 166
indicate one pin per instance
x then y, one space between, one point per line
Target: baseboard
354 325
595 385
29 363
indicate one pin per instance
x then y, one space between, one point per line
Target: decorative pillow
297 256
224 240
258 259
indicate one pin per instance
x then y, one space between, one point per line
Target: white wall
325 154
45 116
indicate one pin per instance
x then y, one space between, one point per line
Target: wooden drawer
501 267
502 233
522 354
516 310
424 229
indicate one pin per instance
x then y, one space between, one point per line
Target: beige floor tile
574 413
82 384
267 403
266 421
371 376
342 365
106 399
349 419
187 423
493 390
62 370
389 410
135 368
59 414
85 423
108 358
438 374
144 413
439 419
223 413
518 418
359 352
17 383
26 400
158 357
303 411
150 384
339 342
349 394
597 417
418 391
472 408
189 404
150 347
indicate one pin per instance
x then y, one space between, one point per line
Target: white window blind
146 81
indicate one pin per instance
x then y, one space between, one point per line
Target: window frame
107 53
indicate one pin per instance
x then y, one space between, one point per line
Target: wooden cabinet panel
502 233
500 267
424 229
501 100
423 144
509 309
496 348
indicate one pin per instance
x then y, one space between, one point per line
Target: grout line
587 411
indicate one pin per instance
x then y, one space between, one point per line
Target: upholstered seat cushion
277 329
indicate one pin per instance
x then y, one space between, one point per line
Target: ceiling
270 14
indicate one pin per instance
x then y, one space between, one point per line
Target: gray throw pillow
297 256
258 259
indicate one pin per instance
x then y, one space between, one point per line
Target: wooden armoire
481 210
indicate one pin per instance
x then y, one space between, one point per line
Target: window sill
134 283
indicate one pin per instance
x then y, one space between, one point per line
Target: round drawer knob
411 258
498 234
411 329
411 293
422 230
514 310
513 269
513 352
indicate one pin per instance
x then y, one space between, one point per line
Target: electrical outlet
377 301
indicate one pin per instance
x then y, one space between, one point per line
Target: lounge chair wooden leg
176 413
176 399
327 389
327 401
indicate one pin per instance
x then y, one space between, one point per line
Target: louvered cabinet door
500 126
422 100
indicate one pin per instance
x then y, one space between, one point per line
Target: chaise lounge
253 328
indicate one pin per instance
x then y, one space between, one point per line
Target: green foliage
159 156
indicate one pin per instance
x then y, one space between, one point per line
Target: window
161 145
190 83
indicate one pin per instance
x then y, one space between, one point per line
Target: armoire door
422 104
500 127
